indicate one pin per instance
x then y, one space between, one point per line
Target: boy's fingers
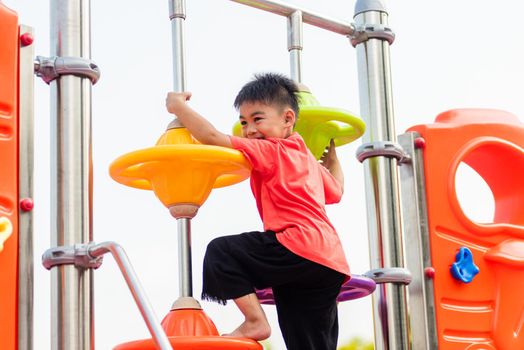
186 94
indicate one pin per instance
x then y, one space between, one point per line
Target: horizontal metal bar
309 17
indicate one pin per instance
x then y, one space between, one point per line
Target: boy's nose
251 130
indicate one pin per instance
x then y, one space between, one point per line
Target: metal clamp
50 68
384 149
77 255
398 275
365 32
294 32
177 9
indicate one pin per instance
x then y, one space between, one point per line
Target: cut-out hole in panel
474 195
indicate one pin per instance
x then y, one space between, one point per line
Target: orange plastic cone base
192 329
188 322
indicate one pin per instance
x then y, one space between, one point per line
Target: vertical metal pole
25 216
184 257
381 179
294 45
177 15
71 178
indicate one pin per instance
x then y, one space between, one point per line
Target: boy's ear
290 117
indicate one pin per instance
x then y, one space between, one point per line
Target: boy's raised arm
330 162
198 126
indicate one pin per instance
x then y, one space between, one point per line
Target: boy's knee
216 245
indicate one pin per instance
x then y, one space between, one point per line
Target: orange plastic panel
9 175
488 312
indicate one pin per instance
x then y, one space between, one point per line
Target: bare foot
256 330
255 325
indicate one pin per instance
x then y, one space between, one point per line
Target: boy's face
260 121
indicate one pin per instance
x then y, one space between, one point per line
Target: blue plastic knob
464 269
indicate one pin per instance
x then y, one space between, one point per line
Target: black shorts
305 292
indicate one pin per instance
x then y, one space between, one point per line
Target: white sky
447 54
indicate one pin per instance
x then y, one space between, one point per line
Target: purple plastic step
357 287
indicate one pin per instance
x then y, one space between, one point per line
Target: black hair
271 89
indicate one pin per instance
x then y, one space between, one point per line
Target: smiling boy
299 254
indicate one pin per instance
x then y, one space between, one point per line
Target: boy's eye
243 122
257 119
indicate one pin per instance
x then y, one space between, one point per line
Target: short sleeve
260 153
332 189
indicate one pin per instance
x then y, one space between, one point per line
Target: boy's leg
224 276
234 265
308 315
255 325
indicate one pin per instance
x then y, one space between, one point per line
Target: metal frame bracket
383 149
77 255
363 33
397 275
51 68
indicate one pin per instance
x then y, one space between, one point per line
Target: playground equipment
318 125
182 173
467 285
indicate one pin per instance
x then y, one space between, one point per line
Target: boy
299 255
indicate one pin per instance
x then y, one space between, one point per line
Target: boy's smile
260 121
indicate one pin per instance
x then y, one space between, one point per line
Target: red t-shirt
291 189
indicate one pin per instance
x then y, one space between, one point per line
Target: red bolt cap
27 204
429 272
26 39
420 142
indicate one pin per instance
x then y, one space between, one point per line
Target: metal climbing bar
129 274
177 16
391 318
72 305
309 17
